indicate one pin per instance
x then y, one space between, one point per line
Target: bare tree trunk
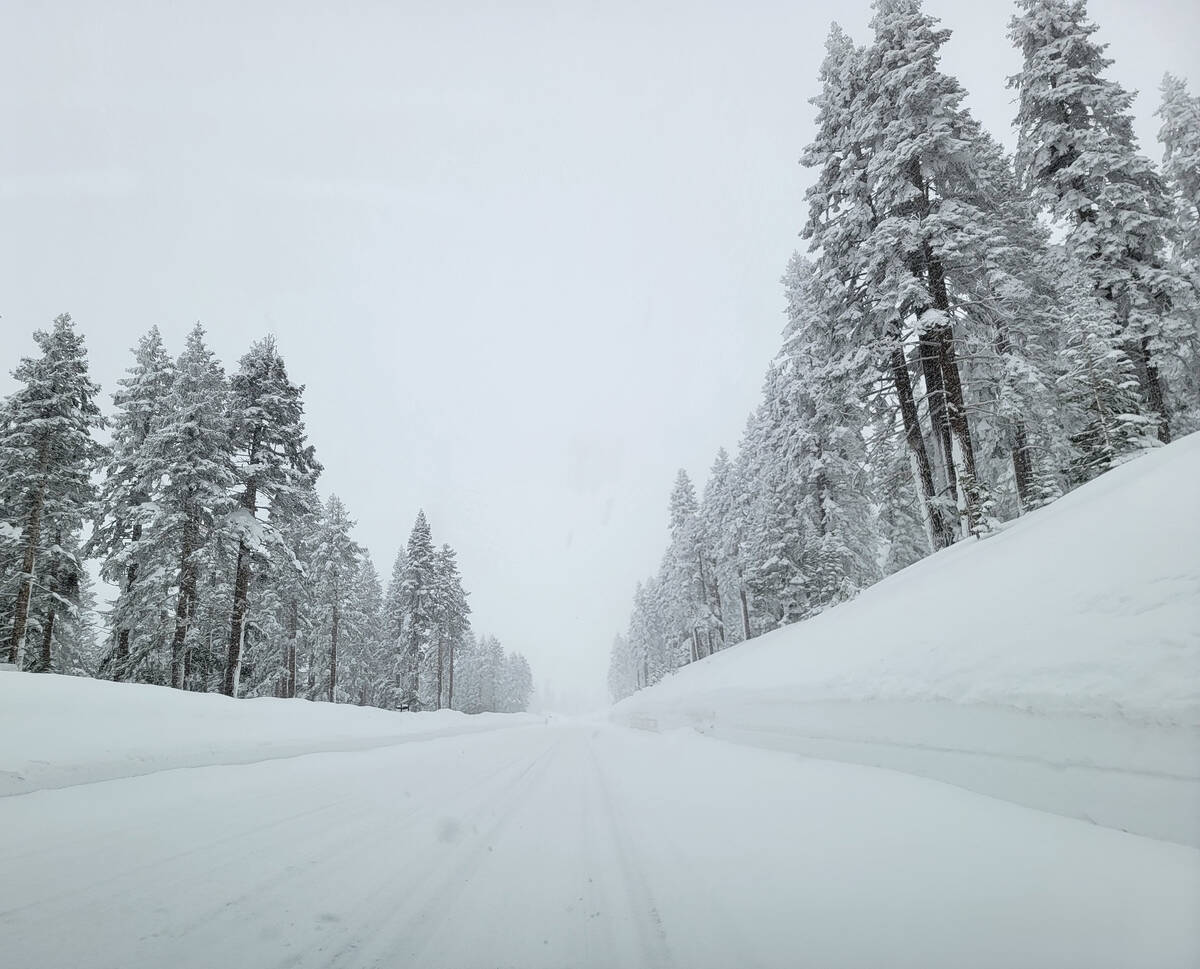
450 685
121 658
1148 372
745 612
441 659
333 645
184 605
293 626
241 596
47 658
940 532
33 533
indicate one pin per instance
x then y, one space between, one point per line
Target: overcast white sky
524 255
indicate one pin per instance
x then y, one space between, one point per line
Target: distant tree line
969 336
233 575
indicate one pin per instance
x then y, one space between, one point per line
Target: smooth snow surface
1055 664
575 845
58 731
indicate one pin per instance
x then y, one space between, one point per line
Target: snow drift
1055 664
59 731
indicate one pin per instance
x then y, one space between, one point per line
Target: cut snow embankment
1055 664
59 731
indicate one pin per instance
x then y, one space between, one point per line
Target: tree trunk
47 658
293 625
1021 461
441 659
745 613
940 533
121 658
33 533
450 682
1148 370
333 644
184 605
241 590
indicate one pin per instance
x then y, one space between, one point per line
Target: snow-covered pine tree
417 595
192 453
335 559
1077 152
366 662
276 469
723 520
1102 410
776 537
689 572
47 455
623 672
843 218
451 622
1180 139
821 447
123 510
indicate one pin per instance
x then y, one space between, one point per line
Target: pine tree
336 561
1099 387
47 454
417 592
367 658
1076 150
276 470
821 446
1180 138
192 451
451 622
123 508
852 266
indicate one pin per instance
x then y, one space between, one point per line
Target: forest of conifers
970 334
230 573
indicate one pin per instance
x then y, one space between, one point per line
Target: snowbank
59 731
1056 664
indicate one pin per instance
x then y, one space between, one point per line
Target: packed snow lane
574 845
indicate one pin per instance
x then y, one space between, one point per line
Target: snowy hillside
1056 664
60 731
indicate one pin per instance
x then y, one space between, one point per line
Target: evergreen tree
275 472
47 455
132 477
1076 150
336 563
417 602
451 622
191 449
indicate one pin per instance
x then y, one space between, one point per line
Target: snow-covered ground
1056 664
58 731
145 827
575 845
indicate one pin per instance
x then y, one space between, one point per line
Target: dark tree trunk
121 658
293 626
184 605
333 645
450 681
241 598
1148 371
47 658
33 533
941 533
1021 459
745 613
441 659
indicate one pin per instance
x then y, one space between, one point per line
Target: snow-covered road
574 845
